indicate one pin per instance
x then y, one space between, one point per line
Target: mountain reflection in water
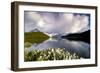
79 47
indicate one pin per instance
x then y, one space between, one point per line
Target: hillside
84 36
35 37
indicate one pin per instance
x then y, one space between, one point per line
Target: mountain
35 30
84 36
57 36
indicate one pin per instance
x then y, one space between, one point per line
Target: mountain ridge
84 36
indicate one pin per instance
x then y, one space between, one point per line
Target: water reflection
79 47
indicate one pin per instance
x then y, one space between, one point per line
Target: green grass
35 37
49 54
27 44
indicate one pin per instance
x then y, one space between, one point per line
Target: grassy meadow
49 54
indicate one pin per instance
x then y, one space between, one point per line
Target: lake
79 47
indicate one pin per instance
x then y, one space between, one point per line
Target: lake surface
79 47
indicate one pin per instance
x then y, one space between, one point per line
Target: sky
56 22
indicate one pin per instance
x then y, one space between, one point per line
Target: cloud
80 23
53 22
31 20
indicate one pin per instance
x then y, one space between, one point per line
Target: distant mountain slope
84 36
35 30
